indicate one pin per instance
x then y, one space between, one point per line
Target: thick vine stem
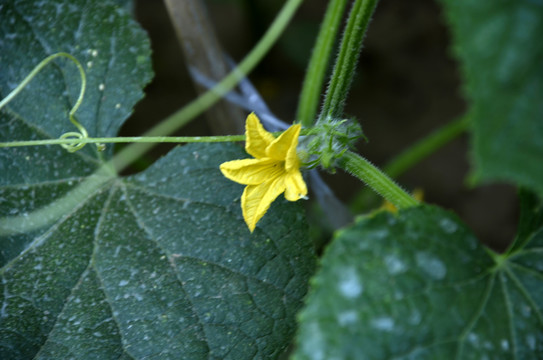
414 154
376 179
345 66
318 64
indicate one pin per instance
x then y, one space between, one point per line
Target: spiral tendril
82 134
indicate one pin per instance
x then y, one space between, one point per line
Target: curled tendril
74 135
82 134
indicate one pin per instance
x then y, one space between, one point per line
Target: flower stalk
376 179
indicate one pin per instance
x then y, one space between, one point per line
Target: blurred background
408 84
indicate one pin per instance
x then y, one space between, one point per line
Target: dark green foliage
418 285
501 52
156 265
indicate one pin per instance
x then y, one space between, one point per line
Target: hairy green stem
413 155
376 179
347 59
318 64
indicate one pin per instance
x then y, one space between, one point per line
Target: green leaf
499 45
155 265
159 264
418 285
531 218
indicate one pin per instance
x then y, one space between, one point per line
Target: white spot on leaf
312 345
448 225
530 341
394 265
347 317
383 323
431 265
349 284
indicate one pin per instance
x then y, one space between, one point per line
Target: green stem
376 179
318 64
195 108
426 147
413 155
349 52
58 208
135 139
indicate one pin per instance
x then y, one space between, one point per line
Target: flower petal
258 139
295 186
256 199
251 171
292 162
287 141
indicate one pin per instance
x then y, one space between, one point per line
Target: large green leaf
500 48
418 285
158 264
155 265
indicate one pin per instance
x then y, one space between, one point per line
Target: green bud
328 141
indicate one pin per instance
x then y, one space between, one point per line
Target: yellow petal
256 199
295 186
252 171
287 141
292 162
258 139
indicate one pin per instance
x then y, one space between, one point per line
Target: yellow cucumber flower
275 169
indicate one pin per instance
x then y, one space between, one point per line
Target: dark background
407 85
